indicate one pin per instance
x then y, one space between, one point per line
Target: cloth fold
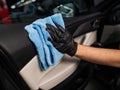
48 55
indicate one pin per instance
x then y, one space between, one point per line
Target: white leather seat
46 80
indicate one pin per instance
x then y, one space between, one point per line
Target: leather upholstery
15 45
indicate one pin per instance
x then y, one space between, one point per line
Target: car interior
89 21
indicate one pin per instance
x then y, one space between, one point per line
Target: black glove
61 39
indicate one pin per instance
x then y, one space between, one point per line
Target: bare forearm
99 56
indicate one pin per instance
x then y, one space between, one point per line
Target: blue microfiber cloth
47 54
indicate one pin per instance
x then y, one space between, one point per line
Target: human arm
109 57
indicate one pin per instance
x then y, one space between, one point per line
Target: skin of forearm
101 56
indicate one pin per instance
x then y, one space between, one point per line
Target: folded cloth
47 54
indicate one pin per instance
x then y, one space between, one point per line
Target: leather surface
15 45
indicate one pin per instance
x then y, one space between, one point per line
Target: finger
53 34
49 39
50 32
59 27
59 47
52 28
52 41
56 45
56 34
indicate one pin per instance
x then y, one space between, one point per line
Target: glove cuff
73 50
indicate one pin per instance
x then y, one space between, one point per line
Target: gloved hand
61 39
